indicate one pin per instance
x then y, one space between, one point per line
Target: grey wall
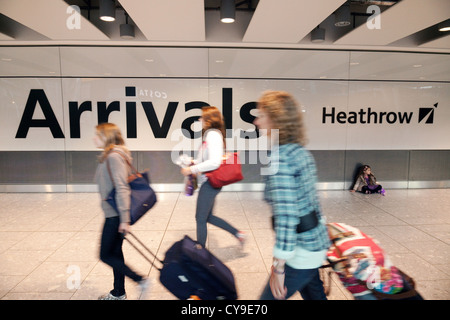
336 168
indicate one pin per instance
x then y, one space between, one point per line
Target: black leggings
111 254
366 189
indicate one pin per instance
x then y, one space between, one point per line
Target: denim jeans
111 254
204 213
305 281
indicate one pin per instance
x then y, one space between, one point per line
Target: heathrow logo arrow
427 113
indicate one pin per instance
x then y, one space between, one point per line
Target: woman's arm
283 195
119 172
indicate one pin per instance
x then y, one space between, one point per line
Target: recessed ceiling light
107 10
417 65
227 20
342 17
108 19
443 29
126 31
227 11
318 35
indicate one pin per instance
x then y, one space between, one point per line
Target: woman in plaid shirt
301 235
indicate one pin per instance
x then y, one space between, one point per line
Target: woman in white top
209 158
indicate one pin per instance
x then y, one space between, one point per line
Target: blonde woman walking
109 138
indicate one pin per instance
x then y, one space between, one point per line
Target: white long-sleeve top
210 154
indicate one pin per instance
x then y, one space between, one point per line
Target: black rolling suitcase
191 272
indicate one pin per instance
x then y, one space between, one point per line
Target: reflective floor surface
50 242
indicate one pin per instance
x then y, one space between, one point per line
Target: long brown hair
213 119
112 135
286 116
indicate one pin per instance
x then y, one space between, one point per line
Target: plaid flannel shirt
291 191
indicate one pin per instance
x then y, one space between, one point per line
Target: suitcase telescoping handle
145 247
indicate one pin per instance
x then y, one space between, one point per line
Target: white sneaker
242 237
144 286
109 296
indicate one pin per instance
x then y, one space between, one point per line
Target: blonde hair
286 116
113 137
213 119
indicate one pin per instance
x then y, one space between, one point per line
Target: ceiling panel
49 18
406 25
168 20
287 21
443 42
5 37
399 21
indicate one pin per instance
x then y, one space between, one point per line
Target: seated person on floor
366 182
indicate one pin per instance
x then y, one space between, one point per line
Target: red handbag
229 172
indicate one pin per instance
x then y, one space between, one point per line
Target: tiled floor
49 242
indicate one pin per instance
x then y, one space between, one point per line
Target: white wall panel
311 95
25 61
399 66
168 80
339 115
267 64
162 95
398 100
15 93
134 62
